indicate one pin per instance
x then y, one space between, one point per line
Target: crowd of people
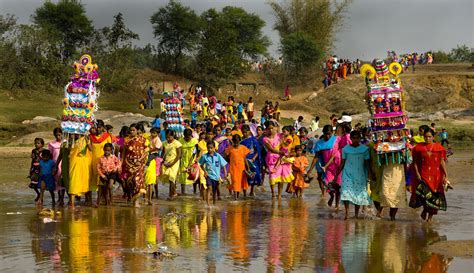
410 59
239 154
335 69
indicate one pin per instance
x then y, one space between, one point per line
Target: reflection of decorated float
80 98
386 105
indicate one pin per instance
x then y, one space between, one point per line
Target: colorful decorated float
386 105
174 111
80 98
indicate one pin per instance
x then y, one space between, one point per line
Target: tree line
211 48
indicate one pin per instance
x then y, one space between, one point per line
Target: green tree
462 53
6 24
248 26
441 57
229 39
119 36
299 52
116 56
177 29
67 23
319 19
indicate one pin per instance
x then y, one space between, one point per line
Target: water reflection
260 236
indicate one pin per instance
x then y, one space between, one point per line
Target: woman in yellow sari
98 141
79 167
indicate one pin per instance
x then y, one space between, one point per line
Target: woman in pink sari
328 158
279 173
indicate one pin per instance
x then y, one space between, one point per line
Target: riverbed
252 235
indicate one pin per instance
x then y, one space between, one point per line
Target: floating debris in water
49 212
173 216
158 251
49 220
162 252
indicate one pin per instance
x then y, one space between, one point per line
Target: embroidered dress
429 192
134 165
354 175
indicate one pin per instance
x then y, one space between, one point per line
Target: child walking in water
236 155
212 164
108 168
299 170
354 167
170 165
35 167
55 148
46 177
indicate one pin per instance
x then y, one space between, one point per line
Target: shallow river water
254 235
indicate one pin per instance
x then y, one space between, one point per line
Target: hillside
435 92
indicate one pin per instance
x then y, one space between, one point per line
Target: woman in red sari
134 161
429 164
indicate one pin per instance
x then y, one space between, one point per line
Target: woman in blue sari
253 158
327 155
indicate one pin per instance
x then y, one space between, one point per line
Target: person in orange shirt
299 171
236 155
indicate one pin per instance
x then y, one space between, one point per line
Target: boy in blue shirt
47 181
212 163
156 122
444 139
194 118
240 111
163 132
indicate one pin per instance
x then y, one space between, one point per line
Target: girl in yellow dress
171 158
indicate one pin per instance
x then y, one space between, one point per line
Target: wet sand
252 235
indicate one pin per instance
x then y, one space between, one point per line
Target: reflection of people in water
237 232
79 252
354 246
297 234
419 260
387 250
213 242
288 231
46 244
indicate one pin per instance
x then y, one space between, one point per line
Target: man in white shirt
298 123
